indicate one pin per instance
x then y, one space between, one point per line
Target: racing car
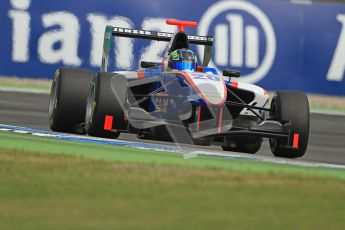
179 99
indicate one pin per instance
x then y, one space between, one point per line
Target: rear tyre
67 100
243 144
294 107
102 101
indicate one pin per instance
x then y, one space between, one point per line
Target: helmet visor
183 65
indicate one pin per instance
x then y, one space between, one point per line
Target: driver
183 60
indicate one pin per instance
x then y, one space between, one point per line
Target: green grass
52 184
26 84
44 191
326 109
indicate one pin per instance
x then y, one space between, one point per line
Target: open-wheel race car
178 99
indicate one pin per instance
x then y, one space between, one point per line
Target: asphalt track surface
326 143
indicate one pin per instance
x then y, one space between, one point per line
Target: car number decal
205 77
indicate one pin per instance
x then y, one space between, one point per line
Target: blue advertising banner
275 44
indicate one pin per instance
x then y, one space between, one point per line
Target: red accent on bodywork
163 66
181 24
108 122
220 120
190 81
295 141
199 117
200 68
234 84
141 75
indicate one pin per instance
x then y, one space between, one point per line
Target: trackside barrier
276 44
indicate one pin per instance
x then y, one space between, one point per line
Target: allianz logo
62 45
237 42
236 45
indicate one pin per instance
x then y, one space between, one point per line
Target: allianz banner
275 44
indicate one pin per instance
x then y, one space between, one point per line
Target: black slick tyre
67 100
107 97
293 107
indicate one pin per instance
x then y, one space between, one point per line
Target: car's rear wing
111 31
159 36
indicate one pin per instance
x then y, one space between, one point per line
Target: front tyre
293 107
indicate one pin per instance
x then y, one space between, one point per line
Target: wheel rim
90 104
52 99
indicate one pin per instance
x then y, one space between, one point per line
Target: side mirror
146 64
231 73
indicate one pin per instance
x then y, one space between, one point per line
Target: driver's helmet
183 60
